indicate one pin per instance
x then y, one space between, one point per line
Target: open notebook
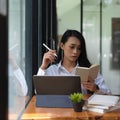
54 91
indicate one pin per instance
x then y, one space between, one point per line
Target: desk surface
37 113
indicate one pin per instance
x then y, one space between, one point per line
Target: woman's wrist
97 89
43 67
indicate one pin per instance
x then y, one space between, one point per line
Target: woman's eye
72 47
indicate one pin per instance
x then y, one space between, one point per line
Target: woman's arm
48 58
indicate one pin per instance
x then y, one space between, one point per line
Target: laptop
54 91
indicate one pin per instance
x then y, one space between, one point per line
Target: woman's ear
61 45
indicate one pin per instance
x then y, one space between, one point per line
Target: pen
48 48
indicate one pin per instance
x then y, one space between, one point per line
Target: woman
72 53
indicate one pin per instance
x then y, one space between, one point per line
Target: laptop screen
56 85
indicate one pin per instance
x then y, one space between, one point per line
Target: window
18 87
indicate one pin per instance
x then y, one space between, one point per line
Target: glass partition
18 88
101 29
111 44
103 47
68 15
91 29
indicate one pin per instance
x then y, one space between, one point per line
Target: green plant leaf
76 97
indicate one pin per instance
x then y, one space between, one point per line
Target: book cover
84 72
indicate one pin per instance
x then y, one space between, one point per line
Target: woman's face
71 49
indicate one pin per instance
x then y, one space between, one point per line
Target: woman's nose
75 50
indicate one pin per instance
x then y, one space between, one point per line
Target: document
98 110
103 103
105 100
98 106
84 72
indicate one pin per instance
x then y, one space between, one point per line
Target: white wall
69 20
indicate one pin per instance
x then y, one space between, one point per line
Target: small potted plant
77 101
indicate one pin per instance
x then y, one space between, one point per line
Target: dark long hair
82 59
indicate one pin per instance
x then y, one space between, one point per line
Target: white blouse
58 69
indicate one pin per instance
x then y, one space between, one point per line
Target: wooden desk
37 113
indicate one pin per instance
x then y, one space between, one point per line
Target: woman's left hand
90 85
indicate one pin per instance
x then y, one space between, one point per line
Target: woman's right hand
48 58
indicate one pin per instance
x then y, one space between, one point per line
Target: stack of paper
102 103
